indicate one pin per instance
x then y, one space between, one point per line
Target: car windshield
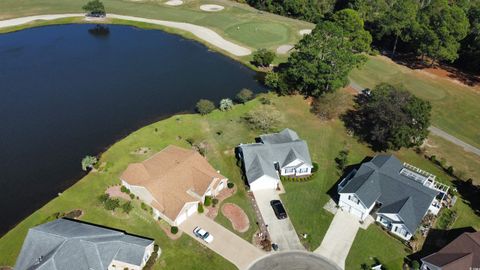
206 235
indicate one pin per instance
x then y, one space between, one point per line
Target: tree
226 104
440 28
389 117
205 106
200 208
398 21
244 95
342 159
88 162
94 6
263 57
103 198
263 118
352 23
127 207
470 47
111 204
174 229
330 105
321 62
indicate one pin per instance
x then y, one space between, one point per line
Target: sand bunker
174 3
283 49
305 32
211 7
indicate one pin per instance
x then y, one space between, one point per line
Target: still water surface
68 91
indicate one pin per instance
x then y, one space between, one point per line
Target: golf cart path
225 243
201 32
434 130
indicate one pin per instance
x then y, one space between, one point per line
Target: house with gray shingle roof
275 154
66 244
399 195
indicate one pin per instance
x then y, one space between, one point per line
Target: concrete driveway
339 238
294 260
282 231
225 243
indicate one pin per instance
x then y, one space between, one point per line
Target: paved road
225 243
201 32
294 260
434 130
339 238
282 231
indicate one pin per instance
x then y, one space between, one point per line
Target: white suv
201 233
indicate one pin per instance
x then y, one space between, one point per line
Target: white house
273 155
397 194
67 244
173 182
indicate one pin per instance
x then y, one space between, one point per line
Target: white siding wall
292 166
392 217
350 206
399 229
264 182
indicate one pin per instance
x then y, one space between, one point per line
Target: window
353 199
289 170
304 170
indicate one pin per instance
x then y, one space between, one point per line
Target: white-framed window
289 170
353 199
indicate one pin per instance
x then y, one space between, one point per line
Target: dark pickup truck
278 209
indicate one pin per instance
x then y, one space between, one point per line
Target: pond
72 90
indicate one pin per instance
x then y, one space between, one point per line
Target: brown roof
462 253
170 175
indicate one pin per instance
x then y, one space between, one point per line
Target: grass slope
221 132
455 106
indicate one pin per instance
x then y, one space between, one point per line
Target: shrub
315 167
230 185
174 229
214 202
263 57
151 261
125 190
342 159
330 105
415 265
263 118
205 106
103 198
143 206
208 201
265 101
450 170
111 204
88 162
244 95
226 104
190 140
132 196
200 208
127 207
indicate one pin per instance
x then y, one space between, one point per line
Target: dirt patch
115 192
6 268
237 217
166 228
141 151
225 193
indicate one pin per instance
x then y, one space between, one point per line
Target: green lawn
456 107
237 22
221 132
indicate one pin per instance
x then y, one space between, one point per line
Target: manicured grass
466 164
256 29
455 106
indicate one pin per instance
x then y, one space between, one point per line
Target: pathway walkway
339 238
225 243
434 130
200 32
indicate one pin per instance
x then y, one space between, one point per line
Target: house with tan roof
173 182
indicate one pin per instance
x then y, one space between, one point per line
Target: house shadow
438 239
241 166
469 193
333 192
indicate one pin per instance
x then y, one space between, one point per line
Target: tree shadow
469 193
333 192
100 31
438 239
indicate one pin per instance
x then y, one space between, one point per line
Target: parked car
274 246
278 209
202 234
96 15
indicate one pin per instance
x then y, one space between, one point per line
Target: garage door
355 212
181 218
192 210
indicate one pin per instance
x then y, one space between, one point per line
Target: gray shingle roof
379 180
65 244
283 147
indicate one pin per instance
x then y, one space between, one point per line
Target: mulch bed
237 217
166 228
116 192
212 212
